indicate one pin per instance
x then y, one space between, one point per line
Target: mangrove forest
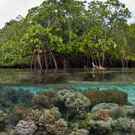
70 34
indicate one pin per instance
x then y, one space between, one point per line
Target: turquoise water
128 88
18 87
112 79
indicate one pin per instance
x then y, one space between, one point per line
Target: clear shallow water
128 88
80 80
21 76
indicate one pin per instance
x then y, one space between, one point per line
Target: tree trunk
110 61
32 61
65 64
46 62
103 59
122 62
99 63
54 60
126 63
39 62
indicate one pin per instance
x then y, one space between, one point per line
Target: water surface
80 80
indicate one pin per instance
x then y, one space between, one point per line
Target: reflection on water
113 79
18 89
19 76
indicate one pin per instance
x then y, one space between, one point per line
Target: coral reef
103 106
3 119
57 128
75 103
67 112
42 101
97 125
10 97
49 121
25 128
107 96
79 132
45 116
100 127
129 111
124 125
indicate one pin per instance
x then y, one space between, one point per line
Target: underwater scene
67 67
67 102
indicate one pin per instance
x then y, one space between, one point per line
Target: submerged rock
111 109
107 96
105 106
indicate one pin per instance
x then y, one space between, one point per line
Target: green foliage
68 27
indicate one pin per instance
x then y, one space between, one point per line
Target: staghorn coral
49 121
25 128
45 116
49 116
61 127
34 115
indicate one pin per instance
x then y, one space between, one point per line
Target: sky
10 10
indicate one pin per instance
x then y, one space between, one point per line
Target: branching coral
49 120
